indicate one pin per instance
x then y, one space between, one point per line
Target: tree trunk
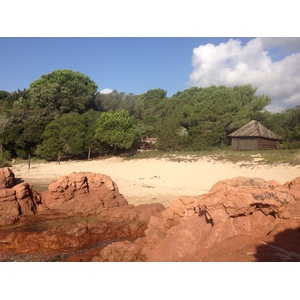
58 158
89 153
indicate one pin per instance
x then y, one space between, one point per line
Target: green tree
4 94
287 125
171 135
209 114
62 91
52 143
109 102
15 104
21 139
131 103
116 130
71 135
12 139
151 101
114 101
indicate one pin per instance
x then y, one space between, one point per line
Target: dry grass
263 157
226 154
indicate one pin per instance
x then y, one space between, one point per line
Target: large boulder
82 193
240 219
9 207
15 200
28 199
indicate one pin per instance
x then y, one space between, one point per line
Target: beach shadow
128 153
284 248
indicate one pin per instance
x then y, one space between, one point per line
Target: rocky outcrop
75 194
16 201
9 207
238 220
7 178
83 217
49 237
77 213
82 193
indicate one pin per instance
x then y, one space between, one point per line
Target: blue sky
133 46
138 64
130 65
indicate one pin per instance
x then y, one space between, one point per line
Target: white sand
157 180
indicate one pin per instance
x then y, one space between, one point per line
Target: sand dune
157 180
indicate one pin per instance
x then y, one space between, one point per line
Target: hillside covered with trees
62 112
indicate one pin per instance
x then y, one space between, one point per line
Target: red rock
26 198
9 207
242 219
7 178
83 193
61 234
128 221
294 188
237 248
15 200
120 252
232 222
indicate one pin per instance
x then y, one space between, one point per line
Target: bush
296 159
290 145
4 162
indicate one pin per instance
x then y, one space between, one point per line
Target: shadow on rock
280 247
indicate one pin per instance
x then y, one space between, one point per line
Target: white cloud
232 63
106 91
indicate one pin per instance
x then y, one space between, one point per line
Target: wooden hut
254 136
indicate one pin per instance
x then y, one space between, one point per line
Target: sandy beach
157 180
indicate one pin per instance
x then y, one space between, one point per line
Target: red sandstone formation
243 219
78 212
7 178
15 200
84 193
83 217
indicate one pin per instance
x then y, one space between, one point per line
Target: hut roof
254 129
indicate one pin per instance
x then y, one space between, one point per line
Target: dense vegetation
62 113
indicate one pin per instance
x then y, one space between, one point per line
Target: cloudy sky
272 65
154 46
135 65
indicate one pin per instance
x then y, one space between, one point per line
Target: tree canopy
116 130
70 135
207 115
62 112
62 91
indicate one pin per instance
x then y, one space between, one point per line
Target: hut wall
239 144
267 144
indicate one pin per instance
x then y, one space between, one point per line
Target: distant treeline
62 112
